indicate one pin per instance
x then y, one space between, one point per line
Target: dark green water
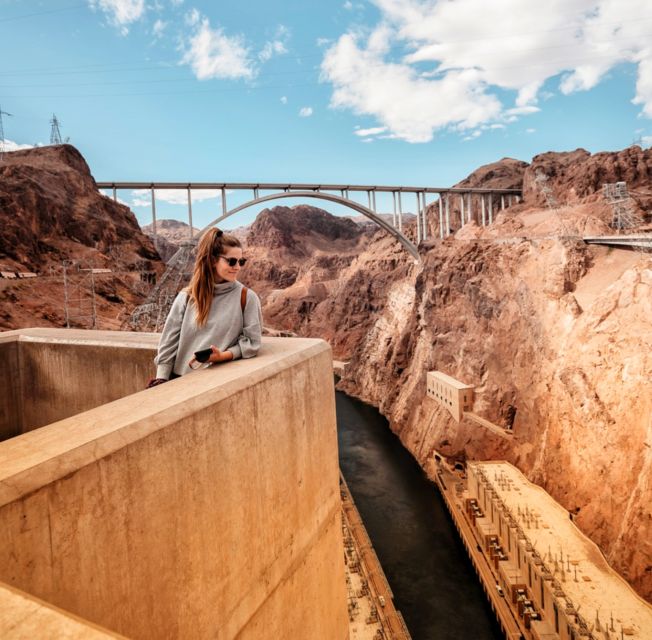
434 584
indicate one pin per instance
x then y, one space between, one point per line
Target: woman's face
225 272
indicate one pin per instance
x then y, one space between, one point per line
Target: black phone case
203 355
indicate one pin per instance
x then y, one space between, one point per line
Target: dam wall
205 507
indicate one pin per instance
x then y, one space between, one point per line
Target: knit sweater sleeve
250 339
169 342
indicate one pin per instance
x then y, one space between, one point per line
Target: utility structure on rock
79 295
624 215
2 132
542 182
151 315
55 133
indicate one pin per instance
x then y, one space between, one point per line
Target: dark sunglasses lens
233 261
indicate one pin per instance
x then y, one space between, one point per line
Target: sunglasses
233 261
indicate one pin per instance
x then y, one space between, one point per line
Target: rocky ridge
51 212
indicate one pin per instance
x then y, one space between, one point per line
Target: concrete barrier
205 507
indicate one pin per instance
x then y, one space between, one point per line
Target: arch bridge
463 204
452 208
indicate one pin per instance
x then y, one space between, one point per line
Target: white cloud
530 130
192 18
348 5
503 49
120 13
158 28
211 53
305 112
647 141
143 197
10 145
284 99
373 131
321 42
276 46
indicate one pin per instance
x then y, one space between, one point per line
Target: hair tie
219 233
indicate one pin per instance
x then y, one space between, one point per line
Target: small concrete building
456 396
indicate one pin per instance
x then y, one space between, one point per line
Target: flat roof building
450 393
554 577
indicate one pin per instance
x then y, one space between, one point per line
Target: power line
42 13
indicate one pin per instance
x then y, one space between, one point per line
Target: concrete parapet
205 507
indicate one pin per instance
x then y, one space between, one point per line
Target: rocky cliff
555 335
50 213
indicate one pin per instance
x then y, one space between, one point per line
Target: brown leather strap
243 298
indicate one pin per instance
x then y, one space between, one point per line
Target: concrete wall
10 396
205 507
55 379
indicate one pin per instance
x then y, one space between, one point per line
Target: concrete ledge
205 507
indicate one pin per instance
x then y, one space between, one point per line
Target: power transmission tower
151 315
542 182
2 133
79 295
624 215
55 134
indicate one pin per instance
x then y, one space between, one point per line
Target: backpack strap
243 298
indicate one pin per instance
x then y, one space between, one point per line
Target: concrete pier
207 507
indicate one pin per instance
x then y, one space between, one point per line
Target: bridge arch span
351 204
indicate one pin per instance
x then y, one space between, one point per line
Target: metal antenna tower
55 134
151 315
2 133
624 215
79 294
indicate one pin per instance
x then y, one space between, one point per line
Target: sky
400 92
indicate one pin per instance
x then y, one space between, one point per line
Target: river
434 584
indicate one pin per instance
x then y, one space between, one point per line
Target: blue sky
384 92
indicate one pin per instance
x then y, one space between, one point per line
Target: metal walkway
638 241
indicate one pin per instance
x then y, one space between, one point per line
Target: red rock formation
50 211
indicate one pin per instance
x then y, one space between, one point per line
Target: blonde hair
202 284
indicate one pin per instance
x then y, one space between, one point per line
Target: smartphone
203 355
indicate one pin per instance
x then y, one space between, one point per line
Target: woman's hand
216 357
219 356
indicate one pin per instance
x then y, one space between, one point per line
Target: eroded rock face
51 211
555 335
557 339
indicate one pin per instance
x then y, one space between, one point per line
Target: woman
214 311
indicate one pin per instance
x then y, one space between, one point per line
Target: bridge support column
502 202
510 200
373 201
482 205
400 213
424 216
394 215
448 215
469 213
461 211
491 208
154 219
441 217
418 212
115 195
224 209
190 213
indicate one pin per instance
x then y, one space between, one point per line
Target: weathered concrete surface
10 393
23 617
205 507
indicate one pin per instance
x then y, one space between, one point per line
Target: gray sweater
227 327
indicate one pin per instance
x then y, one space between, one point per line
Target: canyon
555 335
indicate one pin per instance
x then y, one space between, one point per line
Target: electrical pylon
2 133
55 134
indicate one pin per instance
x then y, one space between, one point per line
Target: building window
543 600
554 608
529 575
